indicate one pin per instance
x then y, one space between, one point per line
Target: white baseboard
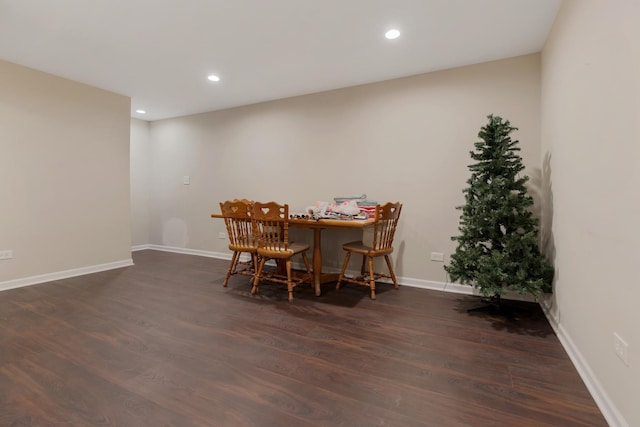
34 280
186 251
606 406
457 288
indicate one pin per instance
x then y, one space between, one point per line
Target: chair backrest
384 226
237 218
271 226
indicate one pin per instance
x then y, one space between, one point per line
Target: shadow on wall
540 190
542 193
547 242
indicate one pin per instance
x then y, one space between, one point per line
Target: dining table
317 225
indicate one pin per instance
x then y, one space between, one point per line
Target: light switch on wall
186 180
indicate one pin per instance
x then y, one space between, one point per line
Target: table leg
317 259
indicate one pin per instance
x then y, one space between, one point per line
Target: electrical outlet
621 348
186 180
8 254
222 235
437 256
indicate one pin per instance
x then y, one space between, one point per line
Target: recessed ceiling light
141 112
392 34
213 78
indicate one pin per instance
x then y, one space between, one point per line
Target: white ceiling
159 52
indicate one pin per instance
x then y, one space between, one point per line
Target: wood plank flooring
162 343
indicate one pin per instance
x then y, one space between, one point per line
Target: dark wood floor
163 343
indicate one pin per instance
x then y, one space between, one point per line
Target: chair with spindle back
384 228
237 218
271 228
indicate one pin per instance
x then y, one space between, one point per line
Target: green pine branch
497 247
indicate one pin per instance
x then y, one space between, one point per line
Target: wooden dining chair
381 244
271 228
237 218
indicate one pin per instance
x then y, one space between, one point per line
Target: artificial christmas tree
498 245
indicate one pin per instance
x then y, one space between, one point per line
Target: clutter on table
345 207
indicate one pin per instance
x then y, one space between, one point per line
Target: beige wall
64 174
591 147
140 175
407 139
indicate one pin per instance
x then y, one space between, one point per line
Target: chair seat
360 248
276 252
243 248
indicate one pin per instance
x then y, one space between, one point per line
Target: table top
322 223
330 223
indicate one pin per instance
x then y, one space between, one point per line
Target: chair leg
256 279
306 265
344 268
232 267
364 263
372 278
255 259
391 273
289 282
